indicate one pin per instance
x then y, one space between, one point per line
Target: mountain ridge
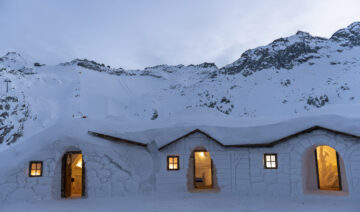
276 54
290 77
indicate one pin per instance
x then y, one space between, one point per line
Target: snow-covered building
84 159
316 160
65 163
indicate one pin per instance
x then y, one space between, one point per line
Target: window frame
41 168
168 162
276 160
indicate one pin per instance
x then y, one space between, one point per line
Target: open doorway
72 175
328 169
202 170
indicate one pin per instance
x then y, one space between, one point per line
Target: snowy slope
297 76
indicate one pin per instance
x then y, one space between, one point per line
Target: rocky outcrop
161 71
285 53
13 114
14 63
282 53
348 37
92 65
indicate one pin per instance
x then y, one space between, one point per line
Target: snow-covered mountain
290 77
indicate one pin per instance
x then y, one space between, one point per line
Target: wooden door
68 176
72 175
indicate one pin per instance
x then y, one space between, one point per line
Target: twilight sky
140 33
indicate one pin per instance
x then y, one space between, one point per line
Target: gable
189 134
229 136
260 145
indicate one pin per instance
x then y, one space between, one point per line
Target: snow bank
232 134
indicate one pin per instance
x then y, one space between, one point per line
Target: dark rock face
282 53
164 68
37 64
92 65
206 65
150 74
348 37
223 105
159 70
13 114
155 115
291 51
171 69
318 101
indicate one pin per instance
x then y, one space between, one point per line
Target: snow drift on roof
242 135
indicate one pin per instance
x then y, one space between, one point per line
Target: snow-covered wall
348 149
111 169
115 169
241 170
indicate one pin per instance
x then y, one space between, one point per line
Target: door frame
63 174
212 170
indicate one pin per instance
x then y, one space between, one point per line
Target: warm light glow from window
79 163
203 170
328 168
270 161
73 174
35 169
173 163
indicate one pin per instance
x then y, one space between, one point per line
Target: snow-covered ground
209 202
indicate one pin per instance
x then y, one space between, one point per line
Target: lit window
328 172
35 169
270 161
173 163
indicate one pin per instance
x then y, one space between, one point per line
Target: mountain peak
13 61
349 36
354 26
281 53
12 56
302 34
290 51
207 65
13 53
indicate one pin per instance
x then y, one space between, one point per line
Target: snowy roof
241 136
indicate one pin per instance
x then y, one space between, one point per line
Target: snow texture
112 169
269 93
190 202
293 77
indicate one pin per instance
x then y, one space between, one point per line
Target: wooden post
7 84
